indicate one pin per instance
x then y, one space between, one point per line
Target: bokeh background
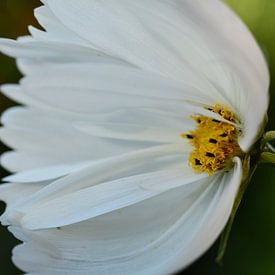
251 248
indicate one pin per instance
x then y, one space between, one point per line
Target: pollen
215 142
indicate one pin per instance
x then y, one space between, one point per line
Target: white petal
91 89
64 151
106 197
19 161
54 29
33 55
86 242
13 192
16 193
142 116
14 92
54 52
131 132
46 173
141 42
55 147
50 138
212 220
143 161
145 37
121 78
158 236
101 88
141 124
180 39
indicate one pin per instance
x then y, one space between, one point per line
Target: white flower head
129 147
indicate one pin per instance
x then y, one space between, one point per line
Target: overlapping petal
194 40
187 220
210 36
109 87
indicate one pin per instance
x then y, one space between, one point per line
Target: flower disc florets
215 142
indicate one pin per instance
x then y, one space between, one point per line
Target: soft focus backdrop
251 248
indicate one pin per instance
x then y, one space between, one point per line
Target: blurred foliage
251 249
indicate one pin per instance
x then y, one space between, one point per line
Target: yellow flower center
215 142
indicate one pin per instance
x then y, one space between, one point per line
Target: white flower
102 182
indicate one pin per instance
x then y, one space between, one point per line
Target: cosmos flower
130 140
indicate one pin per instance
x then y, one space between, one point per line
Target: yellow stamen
215 142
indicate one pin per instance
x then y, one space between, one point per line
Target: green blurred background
251 249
